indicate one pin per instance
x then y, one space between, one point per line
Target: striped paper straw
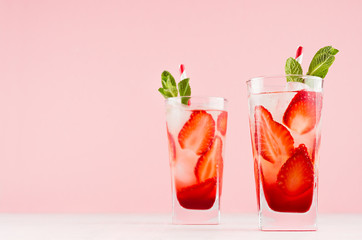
299 55
182 72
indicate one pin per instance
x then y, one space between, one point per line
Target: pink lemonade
196 136
285 124
285 127
285 132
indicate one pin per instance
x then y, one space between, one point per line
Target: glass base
183 216
270 220
275 221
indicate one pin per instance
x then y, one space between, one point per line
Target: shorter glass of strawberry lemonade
196 136
285 135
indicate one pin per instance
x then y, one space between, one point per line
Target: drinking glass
285 124
196 136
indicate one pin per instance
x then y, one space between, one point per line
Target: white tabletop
157 226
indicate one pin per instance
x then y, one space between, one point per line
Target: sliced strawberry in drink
208 164
296 175
198 196
198 132
171 146
273 141
281 202
222 123
303 112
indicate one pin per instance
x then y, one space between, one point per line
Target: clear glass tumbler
196 135
285 134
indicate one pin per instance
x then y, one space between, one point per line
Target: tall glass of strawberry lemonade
285 122
196 136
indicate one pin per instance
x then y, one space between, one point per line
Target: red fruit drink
285 134
196 136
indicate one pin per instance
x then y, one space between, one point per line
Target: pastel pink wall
82 126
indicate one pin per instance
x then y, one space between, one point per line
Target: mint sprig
169 88
322 61
292 66
319 65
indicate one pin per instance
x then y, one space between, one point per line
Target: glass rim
197 97
283 76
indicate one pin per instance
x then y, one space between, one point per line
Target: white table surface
157 226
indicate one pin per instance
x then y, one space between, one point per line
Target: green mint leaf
322 61
327 49
169 88
184 87
334 51
292 66
185 100
164 93
165 76
185 90
172 87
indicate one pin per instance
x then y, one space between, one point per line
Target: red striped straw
182 77
182 72
299 55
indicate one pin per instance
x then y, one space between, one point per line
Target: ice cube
184 170
176 117
315 83
212 103
296 86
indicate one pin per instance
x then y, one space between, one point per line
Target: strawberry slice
272 140
296 175
222 123
208 164
198 132
171 146
198 196
303 112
